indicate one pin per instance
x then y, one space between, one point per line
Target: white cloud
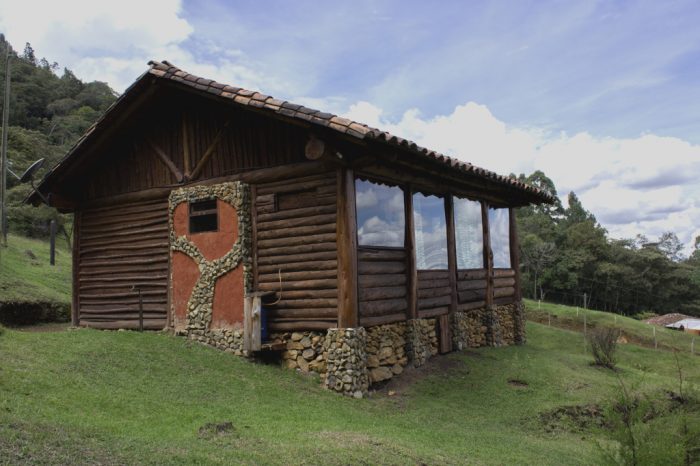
113 41
636 185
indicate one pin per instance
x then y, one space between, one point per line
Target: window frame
193 214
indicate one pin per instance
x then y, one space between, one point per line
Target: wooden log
128 278
301 325
313 313
515 253
299 266
451 259
375 294
438 301
265 203
410 243
293 276
488 257
388 306
129 248
94 271
369 321
290 201
377 268
433 275
347 250
303 249
293 258
472 274
304 212
308 220
167 161
124 226
130 232
433 312
75 287
503 282
472 295
315 148
434 292
185 146
381 255
307 303
299 183
121 307
465 285
471 305
148 324
87 263
295 232
503 292
503 273
296 241
324 284
503 301
445 333
208 153
104 317
428 284
124 286
375 281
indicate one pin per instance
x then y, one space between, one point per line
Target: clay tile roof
167 71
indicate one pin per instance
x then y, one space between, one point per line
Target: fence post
655 344
692 346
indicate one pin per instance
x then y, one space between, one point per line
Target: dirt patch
411 375
217 429
518 383
576 418
30 313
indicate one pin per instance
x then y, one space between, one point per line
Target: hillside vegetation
88 396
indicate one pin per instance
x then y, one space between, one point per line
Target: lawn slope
87 396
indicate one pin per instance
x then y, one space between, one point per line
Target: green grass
87 396
633 330
24 279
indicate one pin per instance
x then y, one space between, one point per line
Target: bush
603 343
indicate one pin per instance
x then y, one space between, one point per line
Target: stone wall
346 361
304 350
229 340
386 351
495 326
423 342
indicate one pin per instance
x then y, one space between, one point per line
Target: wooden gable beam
167 161
208 153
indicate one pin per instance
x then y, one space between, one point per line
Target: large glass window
431 232
499 226
380 214
469 234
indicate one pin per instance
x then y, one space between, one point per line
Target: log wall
122 247
434 293
382 284
504 286
471 289
295 238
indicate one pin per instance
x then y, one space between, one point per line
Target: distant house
690 325
666 319
192 199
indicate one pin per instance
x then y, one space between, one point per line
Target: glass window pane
431 232
380 214
469 234
499 226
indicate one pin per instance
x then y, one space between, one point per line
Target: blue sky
601 96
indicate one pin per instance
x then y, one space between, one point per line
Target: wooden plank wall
471 289
503 286
122 247
434 293
295 222
243 141
382 285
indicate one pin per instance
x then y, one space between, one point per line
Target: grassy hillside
89 397
24 278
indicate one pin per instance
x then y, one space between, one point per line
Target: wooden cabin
193 199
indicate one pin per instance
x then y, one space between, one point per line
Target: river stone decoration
236 194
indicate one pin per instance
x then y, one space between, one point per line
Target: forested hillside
566 253
49 110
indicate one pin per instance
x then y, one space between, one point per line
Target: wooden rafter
208 153
166 160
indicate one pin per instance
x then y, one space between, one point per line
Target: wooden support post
185 146
488 255
52 242
75 301
346 239
410 243
451 250
515 253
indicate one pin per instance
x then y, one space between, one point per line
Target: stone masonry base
350 360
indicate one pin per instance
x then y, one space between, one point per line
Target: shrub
603 343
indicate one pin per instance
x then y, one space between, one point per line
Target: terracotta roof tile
165 70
